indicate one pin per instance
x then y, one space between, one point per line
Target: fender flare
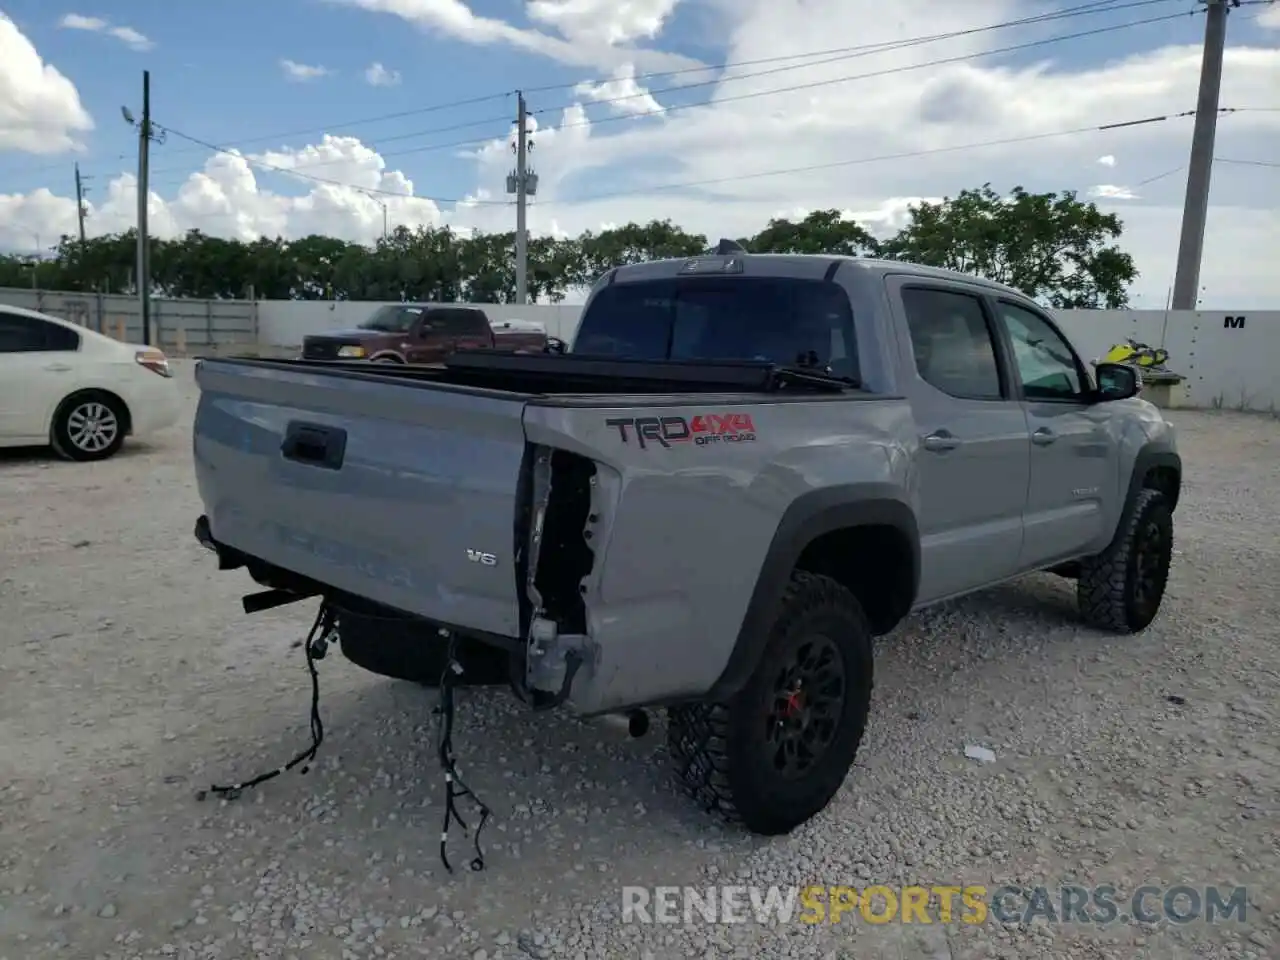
1151 456
808 517
385 354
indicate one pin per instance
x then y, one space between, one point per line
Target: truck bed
483 495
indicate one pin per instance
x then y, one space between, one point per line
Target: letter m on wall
1233 323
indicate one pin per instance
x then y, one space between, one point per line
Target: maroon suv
423 333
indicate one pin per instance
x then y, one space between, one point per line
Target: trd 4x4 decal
704 429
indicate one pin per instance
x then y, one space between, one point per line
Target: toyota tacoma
744 469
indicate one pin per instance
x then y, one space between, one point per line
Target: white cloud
606 22
1107 161
622 93
127 35
1110 191
1270 17
303 72
830 135
379 76
40 109
76 21
587 33
228 197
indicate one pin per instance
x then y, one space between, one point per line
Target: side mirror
555 345
1117 381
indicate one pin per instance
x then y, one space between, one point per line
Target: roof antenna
726 247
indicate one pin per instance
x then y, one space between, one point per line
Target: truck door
469 328
430 342
974 445
1074 470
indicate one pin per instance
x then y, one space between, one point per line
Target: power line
381 118
894 46
1160 176
889 71
323 180
835 53
1248 163
884 158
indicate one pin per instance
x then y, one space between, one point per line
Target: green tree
1051 246
822 231
633 243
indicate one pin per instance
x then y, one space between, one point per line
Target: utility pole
1195 209
146 134
524 184
80 203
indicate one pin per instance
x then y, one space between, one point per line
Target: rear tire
89 426
405 649
1120 590
773 755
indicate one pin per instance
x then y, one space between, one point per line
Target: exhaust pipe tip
637 723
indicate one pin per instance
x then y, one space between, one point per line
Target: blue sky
217 75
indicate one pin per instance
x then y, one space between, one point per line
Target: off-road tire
406 650
718 749
61 434
1108 590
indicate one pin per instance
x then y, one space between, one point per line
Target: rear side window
779 319
952 343
20 334
458 323
393 318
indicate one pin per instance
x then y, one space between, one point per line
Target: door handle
940 441
1043 437
57 367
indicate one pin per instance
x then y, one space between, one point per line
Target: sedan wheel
89 428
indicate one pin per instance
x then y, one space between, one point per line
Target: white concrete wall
1230 366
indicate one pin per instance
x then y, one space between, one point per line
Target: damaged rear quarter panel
685 526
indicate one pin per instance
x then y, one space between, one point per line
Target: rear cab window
780 319
393 318
454 322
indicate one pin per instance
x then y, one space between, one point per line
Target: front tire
773 755
89 426
1120 589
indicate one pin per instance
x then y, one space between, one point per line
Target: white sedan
78 391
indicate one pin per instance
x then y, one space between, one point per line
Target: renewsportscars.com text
940 903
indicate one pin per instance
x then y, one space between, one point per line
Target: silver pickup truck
746 468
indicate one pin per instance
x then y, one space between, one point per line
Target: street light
36 259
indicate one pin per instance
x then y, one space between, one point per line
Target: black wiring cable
315 646
455 788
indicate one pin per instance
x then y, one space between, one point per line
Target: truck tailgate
400 492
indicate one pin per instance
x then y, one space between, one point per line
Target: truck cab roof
799 265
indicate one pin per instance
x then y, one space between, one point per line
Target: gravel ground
129 679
